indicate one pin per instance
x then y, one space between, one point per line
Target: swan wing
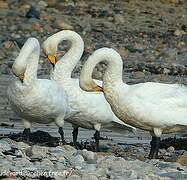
158 102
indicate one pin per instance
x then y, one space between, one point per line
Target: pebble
89 177
32 13
183 159
4 146
66 161
179 32
51 3
22 162
22 146
77 161
3 5
63 25
89 156
170 149
42 5
36 151
138 75
74 177
120 19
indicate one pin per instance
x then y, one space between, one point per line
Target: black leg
61 132
154 147
26 134
75 134
97 137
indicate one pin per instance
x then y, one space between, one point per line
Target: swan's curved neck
113 73
67 63
27 61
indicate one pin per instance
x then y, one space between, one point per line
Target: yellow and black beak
21 77
52 59
98 89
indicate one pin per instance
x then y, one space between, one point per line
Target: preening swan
36 100
154 107
94 111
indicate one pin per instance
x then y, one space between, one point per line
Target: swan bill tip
52 59
20 76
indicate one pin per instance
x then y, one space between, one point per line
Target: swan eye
52 59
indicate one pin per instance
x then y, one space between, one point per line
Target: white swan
94 111
154 107
36 100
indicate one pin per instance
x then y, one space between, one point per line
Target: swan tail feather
119 127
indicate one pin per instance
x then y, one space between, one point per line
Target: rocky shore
21 161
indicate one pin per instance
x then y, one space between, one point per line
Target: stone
22 146
37 151
77 161
67 150
74 177
8 44
25 26
175 1
42 5
103 178
167 165
89 177
174 175
89 156
63 25
179 32
46 164
90 167
32 13
138 75
119 19
3 5
181 45
22 162
171 149
19 153
36 26
52 3
59 166
123 52
4 146
183 159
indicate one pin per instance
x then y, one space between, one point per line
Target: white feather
94 111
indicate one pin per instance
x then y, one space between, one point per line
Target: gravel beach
151 37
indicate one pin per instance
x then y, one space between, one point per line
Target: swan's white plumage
36 100
156 107
93 109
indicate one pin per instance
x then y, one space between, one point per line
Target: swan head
19 70
90 86
50 50
50 45
30 49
